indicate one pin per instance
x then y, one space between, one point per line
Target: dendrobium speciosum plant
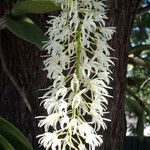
78 61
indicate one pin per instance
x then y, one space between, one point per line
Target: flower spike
78 63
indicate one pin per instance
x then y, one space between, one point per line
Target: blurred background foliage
138 75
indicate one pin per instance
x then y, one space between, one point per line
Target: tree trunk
24 64
121 15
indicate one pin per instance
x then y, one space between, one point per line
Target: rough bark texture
24 63
121 15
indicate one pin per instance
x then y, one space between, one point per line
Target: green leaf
34 6
26 29
4 144
14 136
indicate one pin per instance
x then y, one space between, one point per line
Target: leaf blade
14 136
34 6
4 144
26 29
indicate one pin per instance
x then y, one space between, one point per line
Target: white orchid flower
78 63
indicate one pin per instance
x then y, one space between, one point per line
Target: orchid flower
78 63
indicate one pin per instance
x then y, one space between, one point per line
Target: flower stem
79 50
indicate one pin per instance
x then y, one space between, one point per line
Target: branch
133 81
2 24
138 61
145 82
20 91
141 102
138 49
142 11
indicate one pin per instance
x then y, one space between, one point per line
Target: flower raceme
78 63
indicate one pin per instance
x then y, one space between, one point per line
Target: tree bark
24 63
121 15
